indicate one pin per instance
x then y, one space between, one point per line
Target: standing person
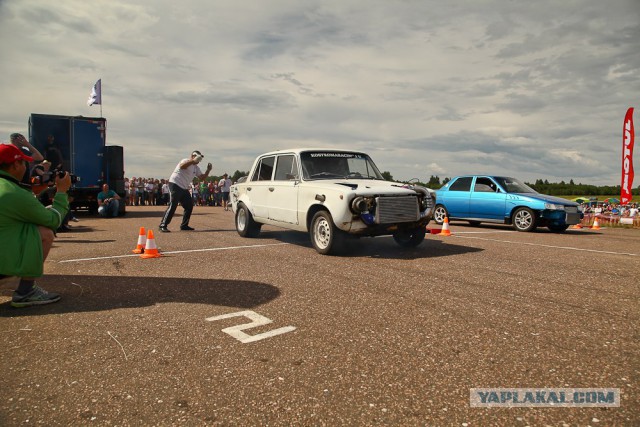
132 191
149 189
127 193
140 192
225 188
204 193
26 228
28 150
194 194
109 202
179 184
216 194
165 192
53 153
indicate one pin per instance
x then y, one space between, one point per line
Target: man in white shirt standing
179 184
225 188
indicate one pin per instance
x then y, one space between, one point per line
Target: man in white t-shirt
179 184
225 188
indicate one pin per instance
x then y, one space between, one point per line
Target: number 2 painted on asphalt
256 320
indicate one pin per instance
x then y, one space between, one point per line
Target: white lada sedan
330 194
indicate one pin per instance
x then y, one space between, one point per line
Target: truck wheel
326 238
410 238
245 225
524 220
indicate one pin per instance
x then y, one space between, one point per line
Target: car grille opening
391 210
571 209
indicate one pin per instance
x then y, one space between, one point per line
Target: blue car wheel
439 214
524 219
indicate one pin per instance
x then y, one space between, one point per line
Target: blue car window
461 184
513 185
484 185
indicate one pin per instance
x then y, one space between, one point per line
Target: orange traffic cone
596 224
445 227
150 249
142 240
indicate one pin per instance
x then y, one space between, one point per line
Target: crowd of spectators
612 209
155 192
611 213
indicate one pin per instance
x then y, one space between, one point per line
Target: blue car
503 200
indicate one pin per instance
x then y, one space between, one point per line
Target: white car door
258 188
283 190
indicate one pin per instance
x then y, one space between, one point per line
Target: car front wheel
245 225
524 220
326 238
439 214
410 238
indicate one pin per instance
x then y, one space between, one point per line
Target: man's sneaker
186 228
37 296
164 229
74 219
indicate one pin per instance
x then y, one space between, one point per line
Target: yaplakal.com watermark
539 397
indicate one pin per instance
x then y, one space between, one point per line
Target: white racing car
331 194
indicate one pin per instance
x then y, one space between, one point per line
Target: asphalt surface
381 336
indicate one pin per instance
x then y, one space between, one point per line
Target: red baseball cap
10 153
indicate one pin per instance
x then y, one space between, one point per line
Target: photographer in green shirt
26 228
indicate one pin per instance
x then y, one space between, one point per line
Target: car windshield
337 164
513 185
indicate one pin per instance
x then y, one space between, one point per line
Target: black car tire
558 228
245 225
326 238
524 219
410 238
439 214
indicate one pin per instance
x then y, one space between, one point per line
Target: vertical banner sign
627 158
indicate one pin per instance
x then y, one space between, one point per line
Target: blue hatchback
503 200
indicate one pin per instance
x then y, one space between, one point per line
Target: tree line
561 188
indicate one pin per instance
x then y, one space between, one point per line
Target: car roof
481 174
300 150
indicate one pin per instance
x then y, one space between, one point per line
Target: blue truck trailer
77 144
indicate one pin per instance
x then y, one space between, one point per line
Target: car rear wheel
410 238
245 225
439 214
524 220
326 238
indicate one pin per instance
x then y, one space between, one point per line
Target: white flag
96 94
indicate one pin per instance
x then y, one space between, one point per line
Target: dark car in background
503 200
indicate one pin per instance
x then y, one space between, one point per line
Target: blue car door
487 200
456 198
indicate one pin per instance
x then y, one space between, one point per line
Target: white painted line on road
548 246
175 252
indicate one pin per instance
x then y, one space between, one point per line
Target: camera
60 174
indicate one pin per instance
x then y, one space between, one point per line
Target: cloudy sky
532 89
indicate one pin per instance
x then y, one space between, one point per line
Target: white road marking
547 246
175 252
256 320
